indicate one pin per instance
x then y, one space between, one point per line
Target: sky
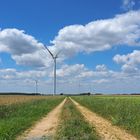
98 43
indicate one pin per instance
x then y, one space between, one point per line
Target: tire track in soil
46 127
103 127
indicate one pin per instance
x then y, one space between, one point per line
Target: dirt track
103 127
45 127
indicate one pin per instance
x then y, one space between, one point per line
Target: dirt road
46 127
103 127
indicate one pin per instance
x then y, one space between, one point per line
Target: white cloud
128 4
68 79
70 70
101 79
99 35
24 48
86 74
17 42
12 80
12 74
130 62
101 67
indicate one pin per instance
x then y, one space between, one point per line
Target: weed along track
44 129
104 128
15 118
73 126
65 119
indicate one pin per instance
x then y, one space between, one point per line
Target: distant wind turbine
36 83
54 57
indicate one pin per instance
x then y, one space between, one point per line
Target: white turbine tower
54 57
36 85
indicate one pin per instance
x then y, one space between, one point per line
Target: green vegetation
15 118
73 126
121 110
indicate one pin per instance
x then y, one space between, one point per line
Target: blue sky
43 19
99 43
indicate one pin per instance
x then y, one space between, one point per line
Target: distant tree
88 93
61 93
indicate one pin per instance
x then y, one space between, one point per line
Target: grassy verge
73 126
15 118
121 110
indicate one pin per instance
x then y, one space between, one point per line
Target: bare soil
104 128
46 127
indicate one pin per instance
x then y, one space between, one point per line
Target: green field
120 110
18 113
17 117
73 126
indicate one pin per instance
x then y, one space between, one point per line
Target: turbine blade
58 54
49 51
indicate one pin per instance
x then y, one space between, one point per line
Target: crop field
65 118
10 99
123 111
17 113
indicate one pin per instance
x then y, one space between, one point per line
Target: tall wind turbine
36 85
54 57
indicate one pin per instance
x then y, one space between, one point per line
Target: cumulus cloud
130 62
101 78
99 35
12 74
68 79
12 80
81 72
70 70
101 67
128 4
24 48
17 42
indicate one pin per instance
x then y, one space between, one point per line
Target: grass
121 110
73 126
15 118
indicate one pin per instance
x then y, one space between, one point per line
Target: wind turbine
54 57
36 83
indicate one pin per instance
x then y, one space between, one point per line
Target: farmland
10 99
123 111
78 117
17 113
